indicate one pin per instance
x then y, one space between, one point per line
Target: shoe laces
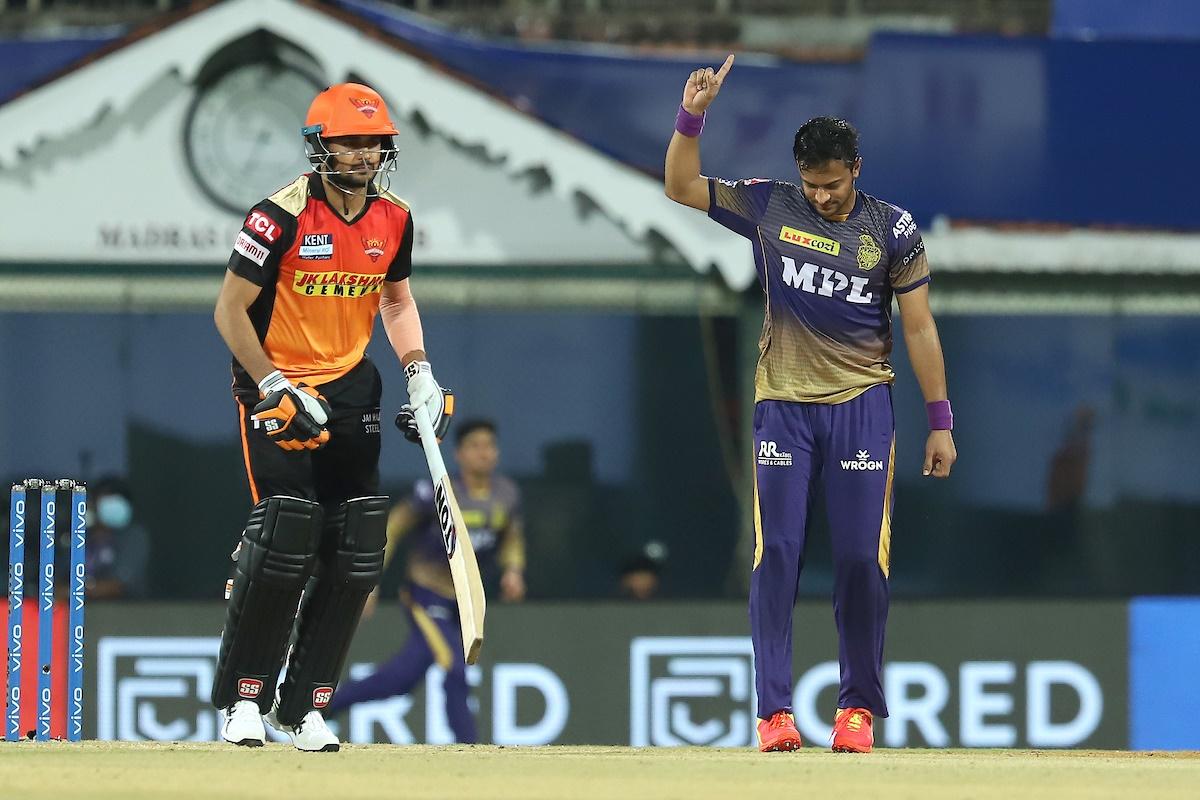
851 720
779 719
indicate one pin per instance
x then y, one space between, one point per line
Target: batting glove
293 417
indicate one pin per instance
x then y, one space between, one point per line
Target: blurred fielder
491 509
312 266
829 258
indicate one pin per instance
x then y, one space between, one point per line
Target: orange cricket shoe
778 734
852 731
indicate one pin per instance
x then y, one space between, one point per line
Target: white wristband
273 383
415 368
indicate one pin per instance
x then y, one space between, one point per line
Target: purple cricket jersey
488 517
829 285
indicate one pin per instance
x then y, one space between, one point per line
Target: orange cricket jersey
321 277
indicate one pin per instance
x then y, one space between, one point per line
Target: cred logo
249 688
321 696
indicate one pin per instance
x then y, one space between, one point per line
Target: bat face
442 499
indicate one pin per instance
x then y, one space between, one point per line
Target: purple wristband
941 418
687 123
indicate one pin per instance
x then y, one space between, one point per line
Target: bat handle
429 443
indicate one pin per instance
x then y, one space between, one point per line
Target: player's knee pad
351 562
276 557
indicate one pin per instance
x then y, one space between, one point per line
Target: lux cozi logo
445 518
848 287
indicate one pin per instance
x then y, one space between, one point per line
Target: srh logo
691 690
863 462
249 688
769 455
373 246
445 518
321 696
832 282
263 225
367 105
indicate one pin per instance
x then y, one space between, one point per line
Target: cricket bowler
830 258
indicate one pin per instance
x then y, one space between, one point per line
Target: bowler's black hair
824 139
469 426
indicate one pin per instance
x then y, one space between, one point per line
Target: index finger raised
724 70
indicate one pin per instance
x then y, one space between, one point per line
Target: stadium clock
242 132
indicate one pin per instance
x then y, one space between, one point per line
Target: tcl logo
321 696
249 688
263 225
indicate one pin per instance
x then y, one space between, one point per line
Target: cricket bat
464 569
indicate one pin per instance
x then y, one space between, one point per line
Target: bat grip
429 443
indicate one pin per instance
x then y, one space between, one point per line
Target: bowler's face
829 187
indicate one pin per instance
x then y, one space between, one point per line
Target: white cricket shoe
311 734
243 724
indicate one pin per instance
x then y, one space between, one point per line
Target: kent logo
316 246
863 462
832 282
317 239
445 519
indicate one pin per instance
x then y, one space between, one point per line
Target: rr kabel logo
769 455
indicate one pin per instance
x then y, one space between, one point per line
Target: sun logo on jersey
868 252
368 106
373 247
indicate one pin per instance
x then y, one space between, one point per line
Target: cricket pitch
131 771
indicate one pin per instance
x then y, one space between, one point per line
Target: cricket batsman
829 258
311 268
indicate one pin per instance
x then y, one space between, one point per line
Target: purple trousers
847 449
434 636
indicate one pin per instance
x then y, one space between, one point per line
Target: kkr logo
863 462
687 690
445 518
769 455
156 688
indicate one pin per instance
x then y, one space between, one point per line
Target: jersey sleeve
739 205
265 236
422 498
907 266
401 266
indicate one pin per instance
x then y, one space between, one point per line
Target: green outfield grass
131 771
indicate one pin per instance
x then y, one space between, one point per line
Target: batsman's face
356 159
829 187
478 453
